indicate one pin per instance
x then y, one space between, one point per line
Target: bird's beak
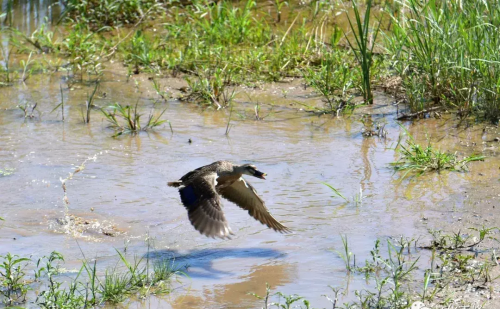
259 174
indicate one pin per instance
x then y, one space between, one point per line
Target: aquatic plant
278 4
335 191
228 126
28 109
163 94
25 64
394 273
138 278
415 158
142 53
61 105
346 254
130 119
362 46
56 296
115 286
89 104
13 284
5 69
42 39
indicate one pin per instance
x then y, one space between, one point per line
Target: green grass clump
127 119
418 159
142 53
139 278
115 287
447 53
84 49
112 13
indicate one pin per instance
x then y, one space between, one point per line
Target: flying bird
200 192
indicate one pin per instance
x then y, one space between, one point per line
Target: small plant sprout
25 65
357 199
228 126
89 104
335 191
346 254
61 105
28 109
265 298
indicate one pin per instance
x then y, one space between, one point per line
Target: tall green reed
451 49
362 46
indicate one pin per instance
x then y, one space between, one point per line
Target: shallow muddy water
28 15
122 197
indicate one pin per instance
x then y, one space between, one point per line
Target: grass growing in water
415 158
394 275
127 119
89 104
418 159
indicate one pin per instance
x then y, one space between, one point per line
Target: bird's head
249 169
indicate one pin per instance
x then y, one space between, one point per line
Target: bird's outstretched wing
244 195
204 206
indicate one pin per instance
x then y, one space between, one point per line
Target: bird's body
200 192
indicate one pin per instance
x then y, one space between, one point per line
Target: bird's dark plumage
200 192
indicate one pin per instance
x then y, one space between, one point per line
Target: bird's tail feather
174 184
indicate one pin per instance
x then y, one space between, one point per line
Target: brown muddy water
121 201
122 197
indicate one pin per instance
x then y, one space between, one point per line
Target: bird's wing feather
244 195
204 206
